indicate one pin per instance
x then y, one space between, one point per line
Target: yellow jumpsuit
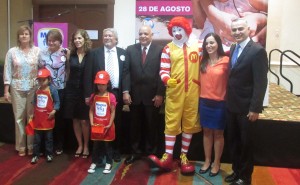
181 112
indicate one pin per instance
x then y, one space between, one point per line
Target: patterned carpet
65 169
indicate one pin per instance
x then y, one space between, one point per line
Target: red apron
43 107
101 117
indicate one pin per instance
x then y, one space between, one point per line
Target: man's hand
126 98
158 100
87 101
253 116
172 83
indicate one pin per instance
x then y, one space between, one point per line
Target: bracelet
265 13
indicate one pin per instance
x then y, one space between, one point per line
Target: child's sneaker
107 168
92 168
59 151
34 160
49 158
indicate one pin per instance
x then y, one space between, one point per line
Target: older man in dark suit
245 93
111 59
146 93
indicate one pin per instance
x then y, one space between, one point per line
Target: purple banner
40 30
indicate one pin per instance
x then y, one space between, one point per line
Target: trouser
60 128
23 110
101 149
239 136
117 143
43 135
144 129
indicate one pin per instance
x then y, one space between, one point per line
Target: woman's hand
7 97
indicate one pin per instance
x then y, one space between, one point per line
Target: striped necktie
110 68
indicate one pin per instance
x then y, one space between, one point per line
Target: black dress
74 103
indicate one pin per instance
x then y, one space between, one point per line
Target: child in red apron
46 103
102 114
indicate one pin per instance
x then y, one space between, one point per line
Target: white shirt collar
148 46
244 43
114 49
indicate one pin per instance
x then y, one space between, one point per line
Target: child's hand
52 114
107 126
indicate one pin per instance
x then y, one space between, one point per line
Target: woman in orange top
213 76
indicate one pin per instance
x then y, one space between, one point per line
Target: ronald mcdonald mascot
179 70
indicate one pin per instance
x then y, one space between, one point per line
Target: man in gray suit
146 94
247 85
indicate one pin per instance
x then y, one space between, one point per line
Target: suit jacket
143 79
95 63
247 81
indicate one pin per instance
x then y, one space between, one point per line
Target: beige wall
283 25
19 10
282 34
3 30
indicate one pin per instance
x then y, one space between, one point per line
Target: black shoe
231 178
117 157
204 171
211 174
240 182
131 159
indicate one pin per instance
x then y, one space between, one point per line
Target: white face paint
179 34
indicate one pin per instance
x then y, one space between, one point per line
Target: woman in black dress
75 107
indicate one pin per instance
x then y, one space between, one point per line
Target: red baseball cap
102 77
43 73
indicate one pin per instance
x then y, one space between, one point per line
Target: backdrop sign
40 30
163 8
157 15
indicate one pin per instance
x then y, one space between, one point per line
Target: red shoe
186 168
165 163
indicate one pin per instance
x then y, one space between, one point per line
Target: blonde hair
20 31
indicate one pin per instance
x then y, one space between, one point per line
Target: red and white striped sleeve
200 44
165 65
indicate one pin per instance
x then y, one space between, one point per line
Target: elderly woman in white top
20 71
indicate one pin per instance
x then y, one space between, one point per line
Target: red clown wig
180 22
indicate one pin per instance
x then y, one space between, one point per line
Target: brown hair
87 41
56 34
21 31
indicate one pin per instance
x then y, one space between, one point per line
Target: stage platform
275 136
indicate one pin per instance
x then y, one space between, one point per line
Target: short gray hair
240 19
114 31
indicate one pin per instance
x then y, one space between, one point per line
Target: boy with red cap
46 103
102 114
179 70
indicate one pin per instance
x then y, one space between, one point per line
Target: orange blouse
214 81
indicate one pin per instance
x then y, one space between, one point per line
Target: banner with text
157 15
40 30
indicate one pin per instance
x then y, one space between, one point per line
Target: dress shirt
115 64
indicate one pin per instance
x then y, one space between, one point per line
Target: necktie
110 68
235 55
144 54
